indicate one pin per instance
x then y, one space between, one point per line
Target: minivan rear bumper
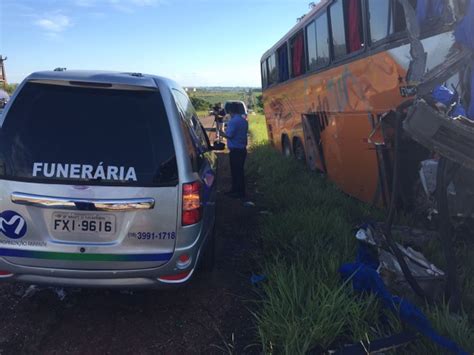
121 282
142 278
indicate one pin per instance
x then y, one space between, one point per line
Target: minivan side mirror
218 146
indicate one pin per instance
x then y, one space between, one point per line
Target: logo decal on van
12 224
84 171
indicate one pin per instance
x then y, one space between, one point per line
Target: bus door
313 124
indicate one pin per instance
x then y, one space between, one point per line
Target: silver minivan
106 179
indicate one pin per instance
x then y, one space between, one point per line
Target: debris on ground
60 292
377 270
372 249
30 291
383 345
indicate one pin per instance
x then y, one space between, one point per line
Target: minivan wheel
209 255
286 147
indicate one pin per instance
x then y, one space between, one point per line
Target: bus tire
286 146
298 150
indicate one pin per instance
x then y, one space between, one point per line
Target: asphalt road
210 315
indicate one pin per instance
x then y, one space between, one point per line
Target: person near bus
236 134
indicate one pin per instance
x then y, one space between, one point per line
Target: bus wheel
286 147
298 150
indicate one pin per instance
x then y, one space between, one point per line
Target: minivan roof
103 77
241 102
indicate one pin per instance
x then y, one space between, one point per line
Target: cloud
54 23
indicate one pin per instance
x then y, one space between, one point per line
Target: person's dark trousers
237 161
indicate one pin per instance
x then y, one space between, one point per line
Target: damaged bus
378 95
332 87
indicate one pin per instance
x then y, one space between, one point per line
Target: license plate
83 223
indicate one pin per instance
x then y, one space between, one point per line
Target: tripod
217 126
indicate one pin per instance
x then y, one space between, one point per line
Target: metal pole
2 68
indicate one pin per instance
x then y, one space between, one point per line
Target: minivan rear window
85 135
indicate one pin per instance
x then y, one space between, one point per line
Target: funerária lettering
84 171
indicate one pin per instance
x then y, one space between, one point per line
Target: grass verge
307 233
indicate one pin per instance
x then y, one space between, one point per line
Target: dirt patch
210 315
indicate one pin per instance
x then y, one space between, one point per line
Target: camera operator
219 114
4 97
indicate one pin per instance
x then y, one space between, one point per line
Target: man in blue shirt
236 134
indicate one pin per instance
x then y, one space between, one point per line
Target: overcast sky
195 42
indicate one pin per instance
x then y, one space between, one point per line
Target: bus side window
317 42
297 55
386 17
264 74
322 40
346 24
272 70
380 19
311 46
283 69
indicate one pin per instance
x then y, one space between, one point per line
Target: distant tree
200 104
10 88
250 99
259 104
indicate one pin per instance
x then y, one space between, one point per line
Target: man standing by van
236 134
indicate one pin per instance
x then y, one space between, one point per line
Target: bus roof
301 24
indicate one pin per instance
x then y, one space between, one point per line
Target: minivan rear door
90 170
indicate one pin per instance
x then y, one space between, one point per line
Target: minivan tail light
5 273
192 211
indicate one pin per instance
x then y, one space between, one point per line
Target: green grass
203 114
258 128
306 233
